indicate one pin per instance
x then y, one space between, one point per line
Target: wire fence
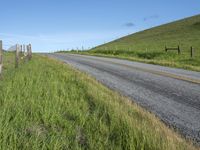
22 53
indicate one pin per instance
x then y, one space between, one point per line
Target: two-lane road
172 94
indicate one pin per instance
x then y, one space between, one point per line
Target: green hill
149 45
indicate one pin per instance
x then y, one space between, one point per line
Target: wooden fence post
24 53
29 52
1 57
24 48
21 49
165 48
179 50
191 52
17 56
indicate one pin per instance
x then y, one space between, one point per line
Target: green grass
148 46
45 104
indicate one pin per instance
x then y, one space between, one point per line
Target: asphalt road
171 94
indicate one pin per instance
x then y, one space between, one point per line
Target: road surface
171 94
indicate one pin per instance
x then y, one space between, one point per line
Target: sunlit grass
45 104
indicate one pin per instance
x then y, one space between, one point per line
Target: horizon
59 25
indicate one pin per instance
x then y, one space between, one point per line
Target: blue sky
52 25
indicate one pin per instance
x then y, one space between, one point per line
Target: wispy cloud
129 24
147 18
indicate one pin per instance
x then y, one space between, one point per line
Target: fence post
1 57
27 50
17 56
191 52
179 50
24 48
24 52
30 50
21 49
165 48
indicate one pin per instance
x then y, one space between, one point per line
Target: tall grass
45 104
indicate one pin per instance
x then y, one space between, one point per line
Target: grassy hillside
48 105
148 46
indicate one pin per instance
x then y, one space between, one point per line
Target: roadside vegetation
149 46
45 104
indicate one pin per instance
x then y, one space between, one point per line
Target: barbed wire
10 45
7 45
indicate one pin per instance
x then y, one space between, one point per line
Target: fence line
21 52
176 49
192 50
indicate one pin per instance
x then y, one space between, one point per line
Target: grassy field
148 46
45 104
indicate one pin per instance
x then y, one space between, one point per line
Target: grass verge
45 104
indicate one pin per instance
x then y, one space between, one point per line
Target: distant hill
12 48
149 45
184 32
